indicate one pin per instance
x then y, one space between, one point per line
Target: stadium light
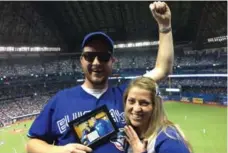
137 44
80 80
217 39
172 89
129 44
146 43
29 49
196 75
119 46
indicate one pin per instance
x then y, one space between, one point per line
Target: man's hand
137 145
72 148
39 146
162 14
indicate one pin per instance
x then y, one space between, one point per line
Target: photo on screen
94 128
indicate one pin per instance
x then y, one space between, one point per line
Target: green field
193 119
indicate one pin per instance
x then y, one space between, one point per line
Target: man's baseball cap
98 36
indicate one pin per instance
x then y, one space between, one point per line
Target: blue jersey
84 138
103 127
52 123
163 143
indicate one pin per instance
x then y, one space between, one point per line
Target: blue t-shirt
52 123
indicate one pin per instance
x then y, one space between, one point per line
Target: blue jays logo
119 140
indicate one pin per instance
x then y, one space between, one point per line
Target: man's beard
99 81
96 79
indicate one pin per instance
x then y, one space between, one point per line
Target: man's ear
114 59
80 57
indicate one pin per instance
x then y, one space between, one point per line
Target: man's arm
39 146
41 137
165 56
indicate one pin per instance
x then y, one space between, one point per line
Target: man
88 129
51 126
103 127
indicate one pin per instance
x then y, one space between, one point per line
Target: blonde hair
158 121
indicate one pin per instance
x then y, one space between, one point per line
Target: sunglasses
101 56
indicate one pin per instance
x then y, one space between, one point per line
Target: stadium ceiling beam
202 18
212 24
44 10
80 21
2 10
74 16
218 20
122 29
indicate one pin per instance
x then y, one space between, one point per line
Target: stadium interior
40 50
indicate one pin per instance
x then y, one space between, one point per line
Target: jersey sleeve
171 145
165 144
42 126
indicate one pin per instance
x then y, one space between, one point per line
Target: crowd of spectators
70 65
14 108
200 82
30 98
128 60
21 100
204 90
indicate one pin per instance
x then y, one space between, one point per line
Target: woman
148 129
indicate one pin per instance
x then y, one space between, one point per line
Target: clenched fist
162 14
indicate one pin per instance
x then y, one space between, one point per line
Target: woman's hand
137 145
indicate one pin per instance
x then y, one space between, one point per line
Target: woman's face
139 107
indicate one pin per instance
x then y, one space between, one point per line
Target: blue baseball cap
98 36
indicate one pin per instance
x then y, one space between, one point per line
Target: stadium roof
65 23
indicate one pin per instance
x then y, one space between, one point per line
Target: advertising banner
212 103
185 99
223 100
197 100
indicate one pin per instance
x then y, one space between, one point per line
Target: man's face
87 124
95 62
93 120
